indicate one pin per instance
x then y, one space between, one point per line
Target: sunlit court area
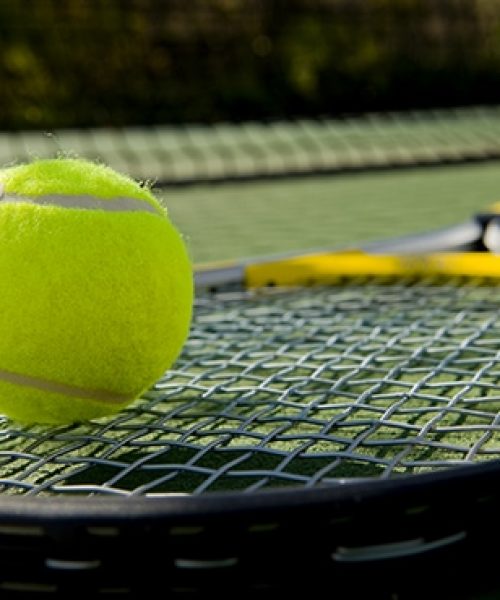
249 298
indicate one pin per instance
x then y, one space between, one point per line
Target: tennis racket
332 425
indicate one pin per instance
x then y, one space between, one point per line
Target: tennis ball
96 291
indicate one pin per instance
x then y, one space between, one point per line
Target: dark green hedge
116 62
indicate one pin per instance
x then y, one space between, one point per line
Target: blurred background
113 62
250 113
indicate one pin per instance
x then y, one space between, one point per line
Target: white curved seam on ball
46 385
83 201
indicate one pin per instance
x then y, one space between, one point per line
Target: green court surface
228 221
262 188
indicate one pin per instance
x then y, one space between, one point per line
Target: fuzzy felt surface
97 300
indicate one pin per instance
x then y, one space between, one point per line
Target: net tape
297 387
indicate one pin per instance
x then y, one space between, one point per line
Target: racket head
99 534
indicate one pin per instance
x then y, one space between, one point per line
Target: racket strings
285 388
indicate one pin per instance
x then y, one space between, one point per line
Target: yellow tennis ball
96 291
